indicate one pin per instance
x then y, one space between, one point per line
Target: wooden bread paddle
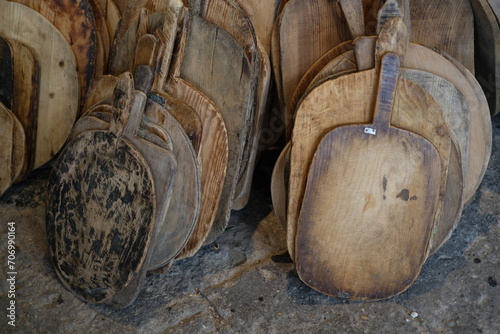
108 192
369 205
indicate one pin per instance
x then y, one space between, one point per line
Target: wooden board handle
386 91
353 12
122 103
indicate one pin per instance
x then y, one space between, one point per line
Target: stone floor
245 282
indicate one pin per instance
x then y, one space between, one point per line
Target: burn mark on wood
404 195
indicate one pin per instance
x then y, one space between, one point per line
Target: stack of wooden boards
51 52
165 147
389 135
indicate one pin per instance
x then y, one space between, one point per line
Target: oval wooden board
74 19
424 59
12 148
216 64
213 158
371 198
315 118
25 104
98 253
59 93
229 16
102 38
307 30
184 209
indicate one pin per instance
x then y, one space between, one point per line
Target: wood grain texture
213 158
318 114
6 74
229 16
450 69
184 208
354 15
26 87
59 95
313 70
74 20
452 26
96 254
186 116
263 15
487 52
214 63
101 90
12 148
381 231
307 30
102 37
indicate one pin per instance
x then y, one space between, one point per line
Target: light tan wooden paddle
425 59
26 73
487 51
372 244
59 93
452 25
307 30
74 20
12 148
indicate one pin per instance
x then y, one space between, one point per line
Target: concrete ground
245 282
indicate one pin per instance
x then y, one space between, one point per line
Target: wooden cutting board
75 22
184 209
452 25
424 59
26 84
102 38
306 31
213 158
382 229
488 51
96 255
59 95
317 115
12 148
224 69
228 15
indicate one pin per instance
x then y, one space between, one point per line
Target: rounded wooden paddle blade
100 214
368 212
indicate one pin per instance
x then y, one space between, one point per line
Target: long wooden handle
122 103
389 73
353 12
